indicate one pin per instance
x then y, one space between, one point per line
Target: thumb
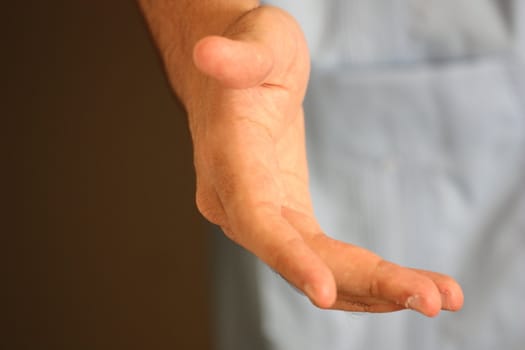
235 64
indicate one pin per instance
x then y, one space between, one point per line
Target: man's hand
246 120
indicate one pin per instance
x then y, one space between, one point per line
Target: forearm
177 25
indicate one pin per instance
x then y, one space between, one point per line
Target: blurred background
106 249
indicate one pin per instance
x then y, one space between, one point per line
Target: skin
242 81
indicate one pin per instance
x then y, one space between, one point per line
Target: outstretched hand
246 120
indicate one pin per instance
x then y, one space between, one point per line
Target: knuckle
374 287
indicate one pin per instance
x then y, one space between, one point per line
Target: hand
247 126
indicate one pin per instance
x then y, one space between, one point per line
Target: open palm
248 131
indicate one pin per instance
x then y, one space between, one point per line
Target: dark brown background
107 250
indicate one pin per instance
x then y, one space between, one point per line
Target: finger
451 293
361 273
264 232
234 63
350 265
405 287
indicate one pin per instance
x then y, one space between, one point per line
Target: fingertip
425 297
306 270
235 64
410 288
322 295
452 299
459 300
206 52
428 306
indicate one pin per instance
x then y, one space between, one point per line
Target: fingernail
414 303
